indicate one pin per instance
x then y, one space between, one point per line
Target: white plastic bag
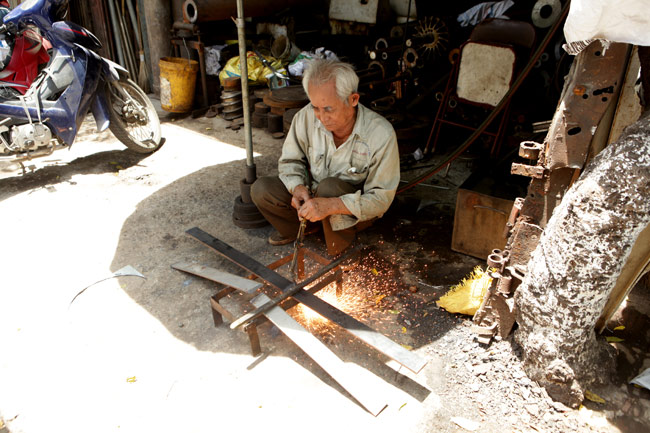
614 21
298 66
212 58
478 13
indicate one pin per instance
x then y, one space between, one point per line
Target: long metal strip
290 291
380 342
361 384
364 386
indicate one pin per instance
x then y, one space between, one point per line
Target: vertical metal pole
116 34
243 65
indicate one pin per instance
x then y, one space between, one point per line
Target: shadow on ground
410 267
61 172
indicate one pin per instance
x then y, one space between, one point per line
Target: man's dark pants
274 202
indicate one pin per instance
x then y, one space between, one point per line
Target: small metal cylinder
262 108
260 120
504 285
495 261
274 123
530 149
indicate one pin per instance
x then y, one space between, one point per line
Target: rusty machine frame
591 88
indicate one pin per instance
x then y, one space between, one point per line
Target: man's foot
276 239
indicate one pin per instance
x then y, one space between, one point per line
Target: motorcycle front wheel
134 120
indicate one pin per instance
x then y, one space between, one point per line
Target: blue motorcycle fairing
66 113
37 12
100 108
114 71
100 112
75 34
90 71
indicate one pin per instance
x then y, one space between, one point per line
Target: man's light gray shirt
369 157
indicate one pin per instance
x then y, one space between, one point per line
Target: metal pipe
116 33
129 57
145 42
195 11
243 67
134 22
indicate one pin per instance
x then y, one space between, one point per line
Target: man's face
334 114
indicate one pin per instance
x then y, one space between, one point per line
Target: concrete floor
138 355
132 354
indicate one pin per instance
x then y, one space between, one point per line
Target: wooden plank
231 280
360 383
383 344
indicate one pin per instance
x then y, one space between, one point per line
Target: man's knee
334 187
262 188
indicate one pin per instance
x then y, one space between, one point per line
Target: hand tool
296 246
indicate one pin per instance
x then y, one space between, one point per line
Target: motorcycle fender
100 112
114 71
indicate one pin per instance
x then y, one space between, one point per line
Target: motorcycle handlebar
8 28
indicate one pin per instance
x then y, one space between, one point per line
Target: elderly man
339 163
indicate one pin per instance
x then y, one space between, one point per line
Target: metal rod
296 247
243 67
145 42
134 22
129 57
116 33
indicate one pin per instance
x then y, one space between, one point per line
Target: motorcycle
75 81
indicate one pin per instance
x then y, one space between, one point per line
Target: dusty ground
134 355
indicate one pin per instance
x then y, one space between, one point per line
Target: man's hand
319 208
300 196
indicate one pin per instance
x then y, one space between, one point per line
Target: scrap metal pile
408 67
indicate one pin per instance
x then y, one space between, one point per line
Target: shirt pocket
317 165
359 164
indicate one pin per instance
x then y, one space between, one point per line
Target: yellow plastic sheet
257 72
466 296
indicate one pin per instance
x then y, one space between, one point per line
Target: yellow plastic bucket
177 83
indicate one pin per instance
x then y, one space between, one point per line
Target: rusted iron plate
525 238
593 81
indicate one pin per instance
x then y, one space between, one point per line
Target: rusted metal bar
253 338
534 171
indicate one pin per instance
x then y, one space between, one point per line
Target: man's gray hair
322 71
